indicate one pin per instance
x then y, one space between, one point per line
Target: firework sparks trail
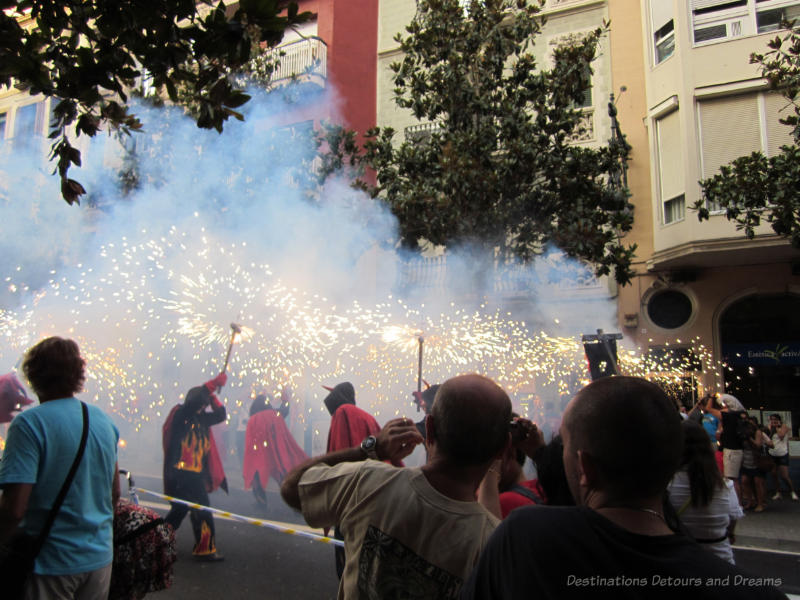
148 321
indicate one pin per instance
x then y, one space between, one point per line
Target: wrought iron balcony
421 132
304 60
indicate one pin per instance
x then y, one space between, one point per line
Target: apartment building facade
565 19
704 283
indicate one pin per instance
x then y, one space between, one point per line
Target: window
587 94
586 131
671 178
769 19
3 121
674 209
777 107
663 26
29 125
665 42
718 20
756 129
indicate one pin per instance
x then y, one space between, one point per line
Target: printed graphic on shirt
389 569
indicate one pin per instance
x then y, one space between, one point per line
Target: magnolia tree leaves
88 55
495 161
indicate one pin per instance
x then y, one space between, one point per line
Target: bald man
411 532
622 444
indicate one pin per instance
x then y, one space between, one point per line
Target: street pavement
265 564
259 563
777 528
768 543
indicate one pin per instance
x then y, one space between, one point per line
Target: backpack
144 552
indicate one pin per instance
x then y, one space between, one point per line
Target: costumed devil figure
192 466
270 450
12 397
349 426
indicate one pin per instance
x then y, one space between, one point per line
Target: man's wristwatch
370 447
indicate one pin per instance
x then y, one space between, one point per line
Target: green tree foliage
500 164
88 55
757 188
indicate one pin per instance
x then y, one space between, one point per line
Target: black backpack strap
51 517
528 493
144 528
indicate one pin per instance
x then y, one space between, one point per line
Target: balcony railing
420 133
302 60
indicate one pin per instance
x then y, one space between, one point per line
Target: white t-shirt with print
403 539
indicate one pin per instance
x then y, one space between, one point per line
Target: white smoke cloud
218 232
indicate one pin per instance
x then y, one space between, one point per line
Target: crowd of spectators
628 501
747 451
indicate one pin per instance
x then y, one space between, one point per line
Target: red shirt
511 500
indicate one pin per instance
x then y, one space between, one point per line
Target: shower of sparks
152 323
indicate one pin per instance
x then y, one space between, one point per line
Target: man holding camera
411 531
505 488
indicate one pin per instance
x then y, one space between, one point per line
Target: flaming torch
235 329
420 340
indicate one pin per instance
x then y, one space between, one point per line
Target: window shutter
661 13
670 156
729 128
777 107
701 4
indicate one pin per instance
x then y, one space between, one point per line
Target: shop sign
770 354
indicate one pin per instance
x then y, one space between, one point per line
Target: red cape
215 475
349 426
270 450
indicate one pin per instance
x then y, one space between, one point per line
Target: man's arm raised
395 441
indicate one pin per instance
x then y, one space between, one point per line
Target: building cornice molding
731 88
663 108
666 259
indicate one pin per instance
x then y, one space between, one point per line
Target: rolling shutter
729 128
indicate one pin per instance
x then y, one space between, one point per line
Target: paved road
264 564
259 563
772 564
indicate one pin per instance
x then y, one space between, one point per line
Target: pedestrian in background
779 451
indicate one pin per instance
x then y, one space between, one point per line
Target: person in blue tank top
711 423
75 560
